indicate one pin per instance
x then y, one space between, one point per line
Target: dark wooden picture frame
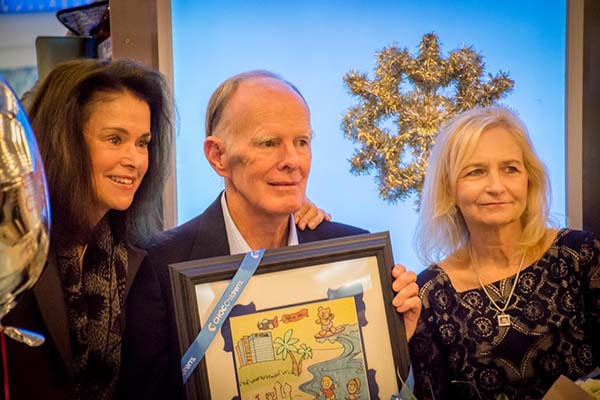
304 273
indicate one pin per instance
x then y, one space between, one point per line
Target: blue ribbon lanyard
218 315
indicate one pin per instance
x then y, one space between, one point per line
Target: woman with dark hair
104 131
62 112
509 302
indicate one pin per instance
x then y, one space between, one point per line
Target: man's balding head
216 111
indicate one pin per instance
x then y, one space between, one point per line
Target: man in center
258 138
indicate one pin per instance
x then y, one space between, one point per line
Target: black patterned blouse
460 352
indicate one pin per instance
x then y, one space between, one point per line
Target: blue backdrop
313 44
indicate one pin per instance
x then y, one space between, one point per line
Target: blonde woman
509 303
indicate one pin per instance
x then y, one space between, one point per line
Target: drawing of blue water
348 365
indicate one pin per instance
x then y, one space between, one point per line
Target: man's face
267 149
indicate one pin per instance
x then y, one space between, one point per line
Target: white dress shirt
237 243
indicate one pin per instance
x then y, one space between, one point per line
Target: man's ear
214 150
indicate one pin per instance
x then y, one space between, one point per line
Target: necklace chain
499 309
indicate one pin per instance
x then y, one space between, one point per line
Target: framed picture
314 321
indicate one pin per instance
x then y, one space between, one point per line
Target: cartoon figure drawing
328 387
326 321
353 386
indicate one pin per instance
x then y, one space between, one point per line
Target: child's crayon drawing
307 351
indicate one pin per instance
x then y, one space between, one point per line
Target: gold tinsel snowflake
413 97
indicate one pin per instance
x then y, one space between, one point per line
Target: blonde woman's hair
441 230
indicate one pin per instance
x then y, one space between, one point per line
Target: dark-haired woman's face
117 134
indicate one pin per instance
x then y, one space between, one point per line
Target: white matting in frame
298 286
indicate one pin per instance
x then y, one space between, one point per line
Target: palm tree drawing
286 345
305 352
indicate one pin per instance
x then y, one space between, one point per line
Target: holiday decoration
398 114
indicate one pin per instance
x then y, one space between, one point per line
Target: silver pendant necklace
501 315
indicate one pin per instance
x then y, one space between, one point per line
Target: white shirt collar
237 243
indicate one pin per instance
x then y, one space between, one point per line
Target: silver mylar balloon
24 209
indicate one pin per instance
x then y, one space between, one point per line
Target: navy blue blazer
151 367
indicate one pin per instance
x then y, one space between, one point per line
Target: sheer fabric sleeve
428 360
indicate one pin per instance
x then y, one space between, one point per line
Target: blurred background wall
547 47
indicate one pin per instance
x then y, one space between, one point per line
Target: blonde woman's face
491 190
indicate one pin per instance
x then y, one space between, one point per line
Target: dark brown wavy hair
58 109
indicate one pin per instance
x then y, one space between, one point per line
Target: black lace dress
460 352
